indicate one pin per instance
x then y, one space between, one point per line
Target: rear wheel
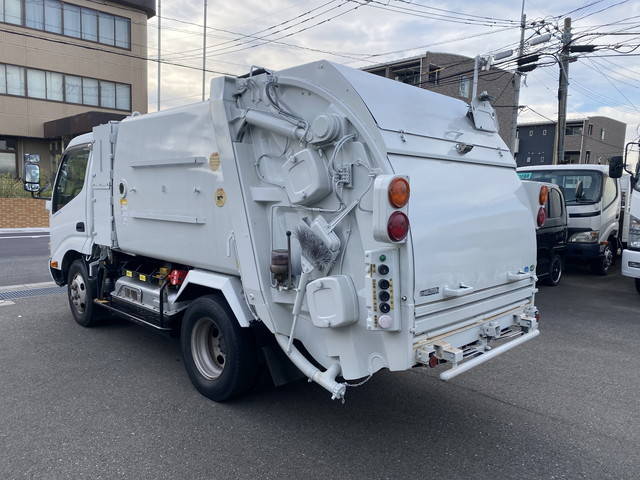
555 271
602 265
219 355
81 292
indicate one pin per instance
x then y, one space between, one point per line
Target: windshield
578 186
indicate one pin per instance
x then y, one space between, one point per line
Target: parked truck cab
320 217
593 198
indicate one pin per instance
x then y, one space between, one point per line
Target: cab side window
70 180
554 207
610 192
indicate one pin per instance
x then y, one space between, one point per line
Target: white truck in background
593 197
343 221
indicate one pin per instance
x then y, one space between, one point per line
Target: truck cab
593 199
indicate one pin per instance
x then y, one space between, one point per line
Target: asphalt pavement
114 402
24 257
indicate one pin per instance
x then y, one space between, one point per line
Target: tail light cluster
391 199
543 196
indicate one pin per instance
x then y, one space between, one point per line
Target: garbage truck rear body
363 223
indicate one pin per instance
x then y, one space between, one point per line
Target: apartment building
587 140
66 66
452 75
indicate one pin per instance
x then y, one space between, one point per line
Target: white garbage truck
319 217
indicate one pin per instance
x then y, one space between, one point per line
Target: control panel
383 285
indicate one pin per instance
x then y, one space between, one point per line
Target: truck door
69 204
610 207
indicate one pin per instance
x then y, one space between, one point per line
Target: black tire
220 356
637 282
603 264
555 271
81 291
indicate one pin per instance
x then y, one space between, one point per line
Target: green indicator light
383 258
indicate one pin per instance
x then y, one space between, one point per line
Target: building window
409 74
544 131
590 129
55 84
13 11
86 23
602 134
587 157
34 14
72 89
89 24
39 84
90 92
7 156
71 15
573 130
123 96
531 133
15 80
434 74
36 83
464 88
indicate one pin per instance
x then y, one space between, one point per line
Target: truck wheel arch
201 282
60 276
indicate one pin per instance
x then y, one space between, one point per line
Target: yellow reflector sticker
142 277
221 197
128 273
123 201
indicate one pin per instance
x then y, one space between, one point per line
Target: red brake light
541 217
176 277
398 226
399 192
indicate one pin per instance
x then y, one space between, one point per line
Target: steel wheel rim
78 293
556 271
207 348
608 257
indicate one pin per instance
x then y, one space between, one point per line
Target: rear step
138 315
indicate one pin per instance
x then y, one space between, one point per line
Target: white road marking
25 236
26 286
4 303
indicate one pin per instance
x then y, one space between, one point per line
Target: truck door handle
515 276
448 292
80 227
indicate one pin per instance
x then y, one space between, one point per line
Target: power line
121 54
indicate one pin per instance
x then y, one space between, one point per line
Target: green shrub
11 187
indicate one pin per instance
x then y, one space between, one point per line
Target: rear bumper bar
473 345
488 355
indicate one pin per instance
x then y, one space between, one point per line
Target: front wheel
81 293
219 355
555 271
603 264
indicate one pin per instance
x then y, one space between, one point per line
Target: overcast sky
351 31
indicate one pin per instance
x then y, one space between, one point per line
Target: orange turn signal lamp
53 264
399 192
544 195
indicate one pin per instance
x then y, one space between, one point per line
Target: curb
25 230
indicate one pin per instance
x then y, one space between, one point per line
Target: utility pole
159 15
516 83
563 85
204 49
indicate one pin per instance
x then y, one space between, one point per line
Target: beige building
66 66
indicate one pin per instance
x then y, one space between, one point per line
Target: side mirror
616 166
31 177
